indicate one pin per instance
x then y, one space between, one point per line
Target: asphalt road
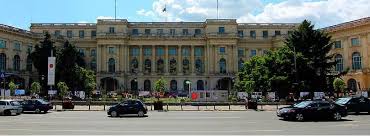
176 123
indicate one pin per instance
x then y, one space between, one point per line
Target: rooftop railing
62 24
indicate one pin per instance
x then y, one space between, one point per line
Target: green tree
12 87
160 85
35 88
89 80
338 85
63 89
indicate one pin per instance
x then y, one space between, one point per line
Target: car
355 104
10 107
36 105
128 107
312 110
68 104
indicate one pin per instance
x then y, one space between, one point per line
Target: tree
12 87
338 85
35 88
63 89
160 85
89 80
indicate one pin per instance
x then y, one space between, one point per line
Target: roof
347 25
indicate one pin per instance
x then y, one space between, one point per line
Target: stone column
166 59
179 61
141 60
104 58
205 62
192 66
236 59
99 58
153 60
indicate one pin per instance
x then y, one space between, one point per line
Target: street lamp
188 82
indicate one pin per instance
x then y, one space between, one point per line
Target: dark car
355 104
312 110
128 107
36 105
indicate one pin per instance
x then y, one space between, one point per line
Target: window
356 61
159 51
16 62
93 33
253 53
29 64
2 44
112 50
147 51
81 33
240 52
111 30
134 65
159 31
221 30
185 66
173 66
57 33
2 62
17 46
200 85
197 32
135 52
222 50
277 33
147 66
173 85
172 31
82 52
198 51
172 51
337 44
93 65
29 48
222 66
339 61
265 34
240 64
355 42
111 65
93 53
198 66
241 33
253 34
147 85
135 32
147 31
185 52
185 32
160 66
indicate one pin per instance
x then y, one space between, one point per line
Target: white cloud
321 12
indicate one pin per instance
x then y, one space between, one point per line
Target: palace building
131 56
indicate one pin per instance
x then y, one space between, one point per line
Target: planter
252 105
158 105
68 105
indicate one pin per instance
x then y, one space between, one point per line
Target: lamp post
188 82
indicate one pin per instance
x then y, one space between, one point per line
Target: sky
323 13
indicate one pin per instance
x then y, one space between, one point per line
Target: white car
10 107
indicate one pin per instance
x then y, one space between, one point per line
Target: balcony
166 36
222 35
111 35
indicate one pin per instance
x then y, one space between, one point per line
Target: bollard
198 107
181 106
167 106
229 106
151 107
214 106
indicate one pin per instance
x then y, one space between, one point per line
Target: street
176 123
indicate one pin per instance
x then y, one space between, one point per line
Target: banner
51 70
20 92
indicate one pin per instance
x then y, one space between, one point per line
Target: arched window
147 86
173 85
356 61
222 64
185 66
160 66
2 61
134 65
93 65
93 53
111 65
352 84
134 86
147 66
29 64
240 64
198 66
339 65
16 63
173 66
200 85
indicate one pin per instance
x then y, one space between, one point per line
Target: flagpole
217 9
115 10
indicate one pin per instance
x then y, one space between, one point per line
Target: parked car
128 107
36 105
10 107
312 110
355 104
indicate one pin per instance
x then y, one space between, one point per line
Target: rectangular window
17 46
252 34
93 53
241 33
241 52
147 51
172 31
265 34
93 33
147 31
277 33
185 32
81 34
355 41
337 44
221 30
198 51
172 51
29 48
111 30
159 51
135 31
185 52
2 44
135 52
69 34
112 50
57 33
198 31
222 50
253 53
159 31
82 52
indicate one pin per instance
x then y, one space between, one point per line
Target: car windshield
43 102
342 100
302 104
15 103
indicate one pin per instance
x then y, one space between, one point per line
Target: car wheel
45 111
299 117
7 113
37 111
114 114
337 116
140 113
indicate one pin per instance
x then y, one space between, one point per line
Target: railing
62 24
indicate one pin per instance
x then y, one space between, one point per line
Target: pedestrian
246 103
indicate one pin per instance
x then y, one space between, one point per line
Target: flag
164 9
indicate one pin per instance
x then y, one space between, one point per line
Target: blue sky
21 13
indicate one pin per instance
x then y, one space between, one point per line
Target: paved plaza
176 122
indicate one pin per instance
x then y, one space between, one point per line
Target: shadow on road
361 114
342 120
129 116
34 112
